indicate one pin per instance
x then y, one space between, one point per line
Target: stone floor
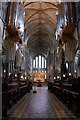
42 104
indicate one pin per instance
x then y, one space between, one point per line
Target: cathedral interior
40 60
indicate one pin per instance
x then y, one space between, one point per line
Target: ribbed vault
40 26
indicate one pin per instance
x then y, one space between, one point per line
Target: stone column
78 71
0 85
8 12
32 65
41 63
38 62
1 32
35 64
71 67
12 13
44 64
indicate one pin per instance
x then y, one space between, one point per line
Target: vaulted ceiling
40 26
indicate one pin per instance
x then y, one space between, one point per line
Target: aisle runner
43 106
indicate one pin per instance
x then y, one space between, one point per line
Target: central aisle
42 104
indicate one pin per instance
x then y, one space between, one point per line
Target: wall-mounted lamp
15 75
9 74
21 76
58 77
69 74
57 12
75 71
4 71
54 78
64 75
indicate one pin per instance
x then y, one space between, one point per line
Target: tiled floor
42 104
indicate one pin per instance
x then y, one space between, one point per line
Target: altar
39 76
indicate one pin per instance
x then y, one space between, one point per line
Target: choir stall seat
69 94
12 93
